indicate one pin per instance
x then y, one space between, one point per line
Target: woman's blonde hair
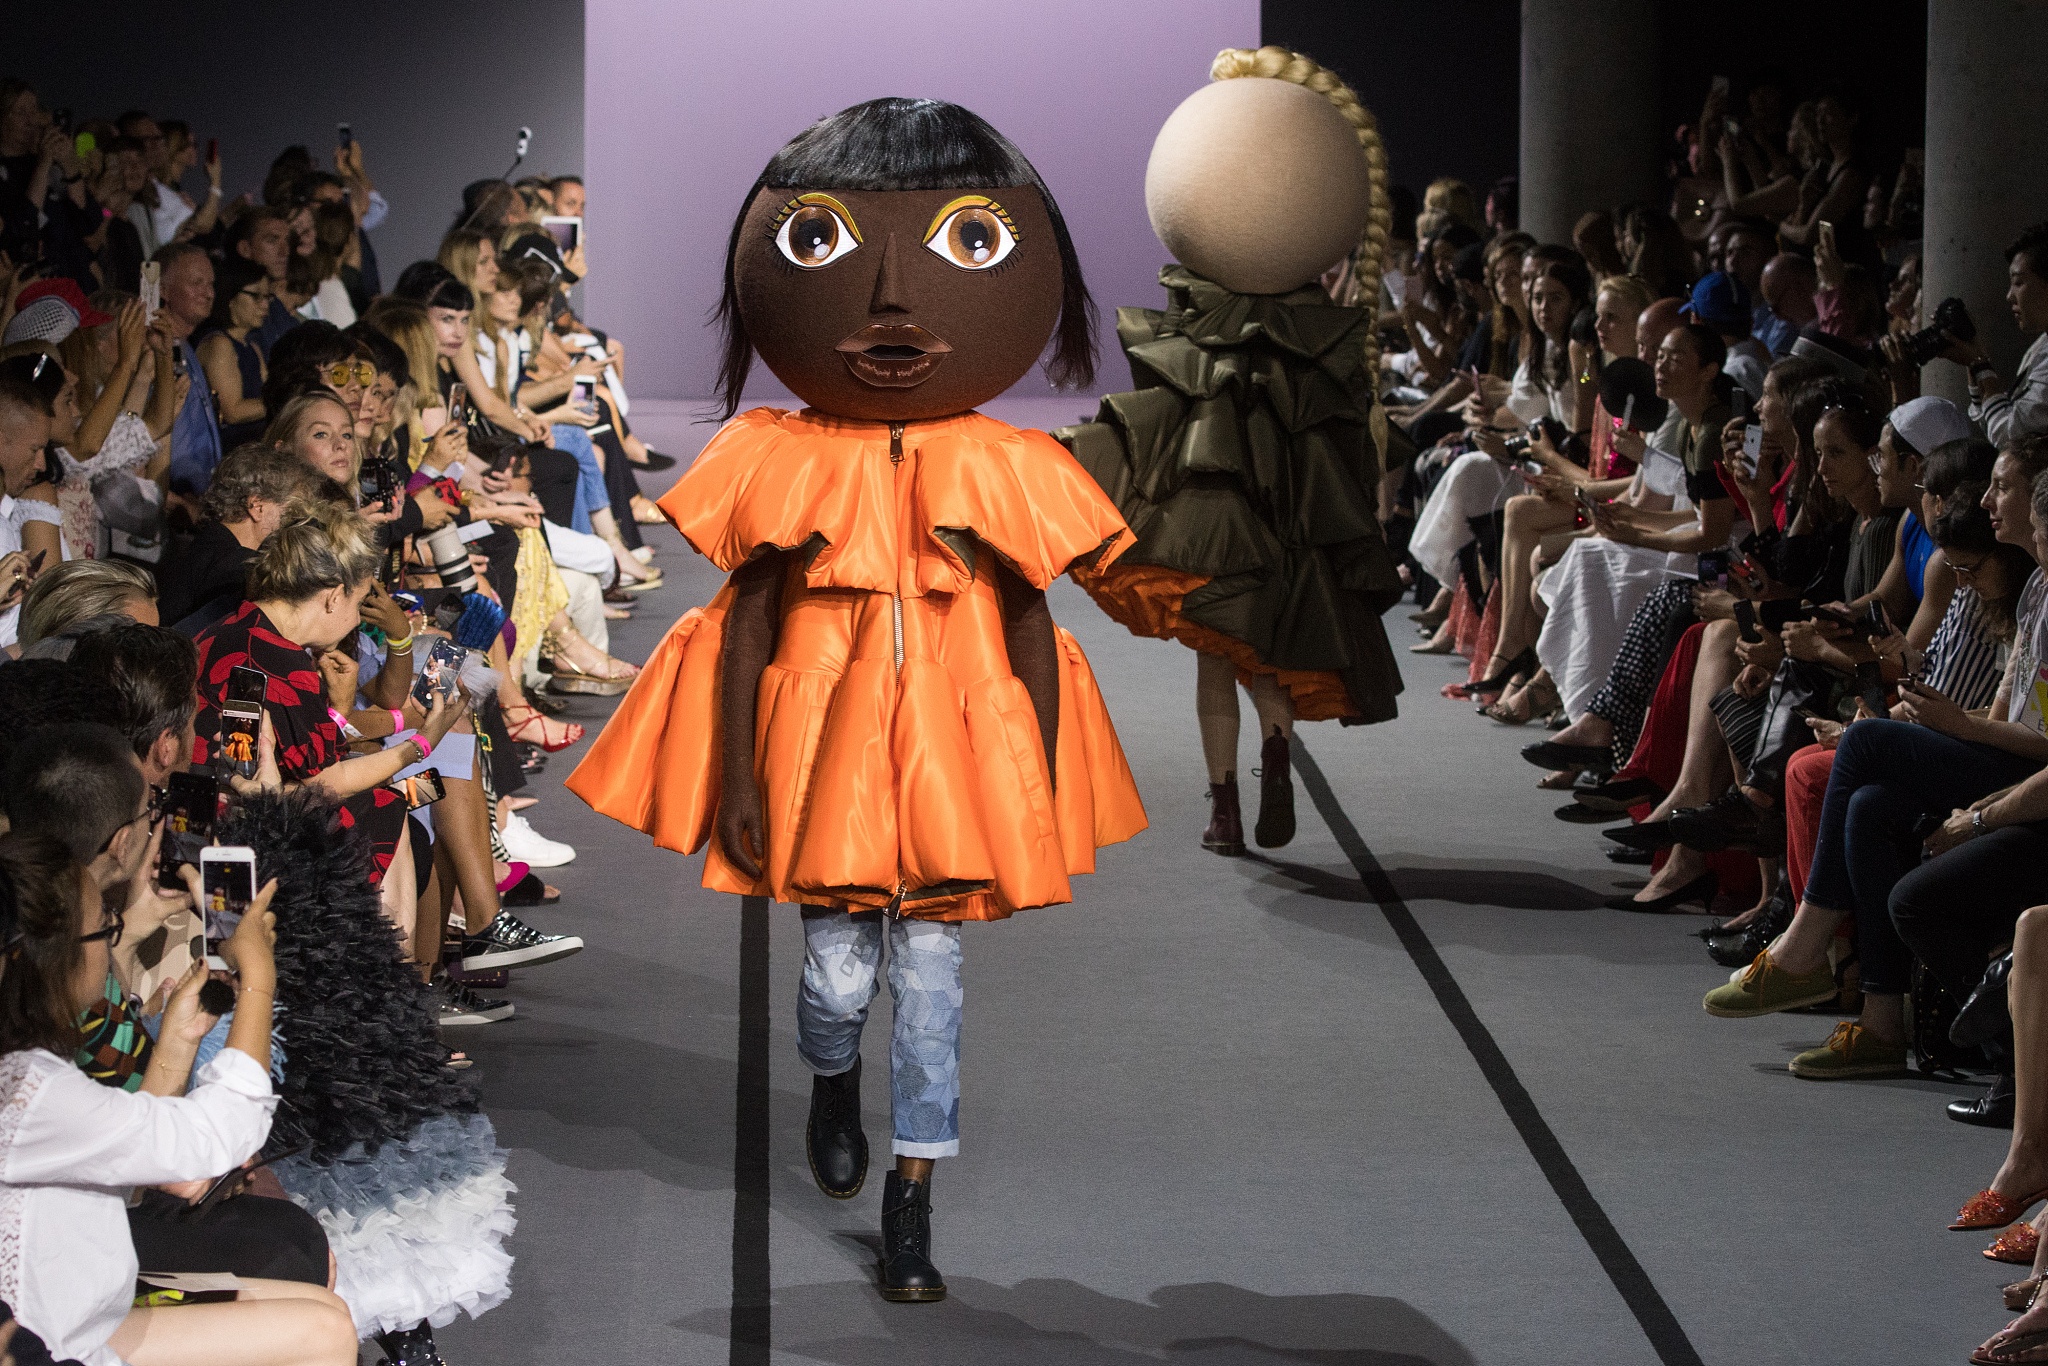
1454 197
1369 257
1633 291
283 431
406 323
459 252
76 589
321 546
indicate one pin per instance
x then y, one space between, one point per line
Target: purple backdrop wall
685 102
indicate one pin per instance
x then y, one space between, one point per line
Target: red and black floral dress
308 740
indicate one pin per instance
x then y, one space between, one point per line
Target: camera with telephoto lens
450 553
1951 320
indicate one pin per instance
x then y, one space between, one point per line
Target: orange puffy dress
897 755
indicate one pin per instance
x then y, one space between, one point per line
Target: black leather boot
833 1138
908 1275
1276 793
1225 834
1994 1109
411 1347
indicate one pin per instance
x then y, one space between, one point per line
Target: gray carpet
1212 1111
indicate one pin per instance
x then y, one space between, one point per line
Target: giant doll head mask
1267 176
902 260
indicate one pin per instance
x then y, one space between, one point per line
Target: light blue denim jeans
590 490
842 954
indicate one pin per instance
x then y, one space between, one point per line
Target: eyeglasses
150 813
110 932
1967 570
339 373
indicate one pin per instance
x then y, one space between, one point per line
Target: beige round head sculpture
1269 175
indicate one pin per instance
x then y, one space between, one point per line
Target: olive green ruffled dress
1245 464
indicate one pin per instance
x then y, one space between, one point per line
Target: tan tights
1217 714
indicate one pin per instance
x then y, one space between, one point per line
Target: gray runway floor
1215 1113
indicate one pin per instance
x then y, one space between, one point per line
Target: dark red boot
1225 834
1276 793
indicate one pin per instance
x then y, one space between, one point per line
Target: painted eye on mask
973 232
815 230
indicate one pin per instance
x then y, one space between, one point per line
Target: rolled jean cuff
903 1148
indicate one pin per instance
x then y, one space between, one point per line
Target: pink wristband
397 720
426 750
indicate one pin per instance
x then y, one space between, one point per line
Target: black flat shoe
908 1276
528 891
1615 799
1571 813
1551 754
1701 889
1733 948
1275 827
1632 858
1650 835
833 1139
655 461
1992 1110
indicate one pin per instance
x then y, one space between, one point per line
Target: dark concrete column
1987 147
1591 117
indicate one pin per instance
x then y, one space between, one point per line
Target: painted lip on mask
893 355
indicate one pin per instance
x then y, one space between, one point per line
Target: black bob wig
905 144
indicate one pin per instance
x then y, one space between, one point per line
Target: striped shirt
1964 660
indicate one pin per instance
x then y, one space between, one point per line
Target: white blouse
70 1149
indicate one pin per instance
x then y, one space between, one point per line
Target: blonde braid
1369 257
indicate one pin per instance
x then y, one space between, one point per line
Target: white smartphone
227 879
1753 443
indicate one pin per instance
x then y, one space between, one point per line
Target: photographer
2008 411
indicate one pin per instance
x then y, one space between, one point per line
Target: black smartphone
35 564
1739 405
421 789
1745 621
190 809
442 673
1713 568
344 135
225 1187
212 150
241 715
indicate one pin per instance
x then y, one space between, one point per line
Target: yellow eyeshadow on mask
971 201
824 201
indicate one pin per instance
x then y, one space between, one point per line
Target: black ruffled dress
1245 463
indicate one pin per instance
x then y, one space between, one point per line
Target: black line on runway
1637 1290
749 1332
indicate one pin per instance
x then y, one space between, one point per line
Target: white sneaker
527 845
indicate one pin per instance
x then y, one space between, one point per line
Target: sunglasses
338 373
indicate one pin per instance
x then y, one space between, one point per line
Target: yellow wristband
398 647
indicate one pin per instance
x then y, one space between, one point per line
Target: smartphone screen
240 716
227 881
421 789
441 673
152 291
458 403
189 812
583 393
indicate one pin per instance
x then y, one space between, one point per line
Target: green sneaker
1765 988
1851 1051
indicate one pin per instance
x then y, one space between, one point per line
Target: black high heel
1521 663
1702 889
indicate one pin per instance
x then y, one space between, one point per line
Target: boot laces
912 1233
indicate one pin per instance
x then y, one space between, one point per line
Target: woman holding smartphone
306 590
74 1146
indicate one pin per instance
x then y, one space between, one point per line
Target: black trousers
554 475
1952 911
249 1235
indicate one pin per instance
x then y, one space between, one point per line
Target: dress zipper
895 906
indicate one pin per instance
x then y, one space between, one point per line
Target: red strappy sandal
534 729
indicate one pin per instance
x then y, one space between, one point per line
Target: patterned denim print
841 955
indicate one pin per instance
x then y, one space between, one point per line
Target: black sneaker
509 942
461 1006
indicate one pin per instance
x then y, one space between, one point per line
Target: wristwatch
1977 826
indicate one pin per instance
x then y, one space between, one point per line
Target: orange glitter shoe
1988 1209
2017 1245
